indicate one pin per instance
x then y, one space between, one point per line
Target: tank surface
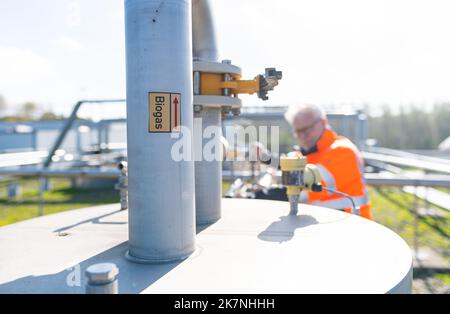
255 248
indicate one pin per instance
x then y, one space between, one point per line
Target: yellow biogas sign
165 112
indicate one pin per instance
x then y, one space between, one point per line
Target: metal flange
226 102
209 101
215 67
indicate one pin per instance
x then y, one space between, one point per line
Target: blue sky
332 52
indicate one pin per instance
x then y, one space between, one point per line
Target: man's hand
258 152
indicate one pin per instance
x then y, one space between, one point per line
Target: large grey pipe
208 174
203 32
161 190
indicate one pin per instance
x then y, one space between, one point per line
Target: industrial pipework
171 58
216 89
159 100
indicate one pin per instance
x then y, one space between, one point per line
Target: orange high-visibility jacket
342 168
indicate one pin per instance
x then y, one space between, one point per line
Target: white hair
315 110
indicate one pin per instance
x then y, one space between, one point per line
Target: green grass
61 198
225 186
445 278
394 209
391 207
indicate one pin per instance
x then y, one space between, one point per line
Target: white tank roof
254 248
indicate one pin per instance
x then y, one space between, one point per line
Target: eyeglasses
306 130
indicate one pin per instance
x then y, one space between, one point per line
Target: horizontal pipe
426 180
408 162
407 154
371 179
22 159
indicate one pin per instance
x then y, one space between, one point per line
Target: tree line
412 127
28 111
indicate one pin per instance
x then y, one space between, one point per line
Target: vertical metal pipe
208 174
364 130
203 32
161 190
41 196
34 139
78 139
293 200
197 82
107 130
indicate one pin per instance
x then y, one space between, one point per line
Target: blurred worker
338 159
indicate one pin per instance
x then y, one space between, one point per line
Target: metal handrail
69 122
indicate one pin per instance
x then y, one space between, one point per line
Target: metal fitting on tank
122 185
102 279
296 176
